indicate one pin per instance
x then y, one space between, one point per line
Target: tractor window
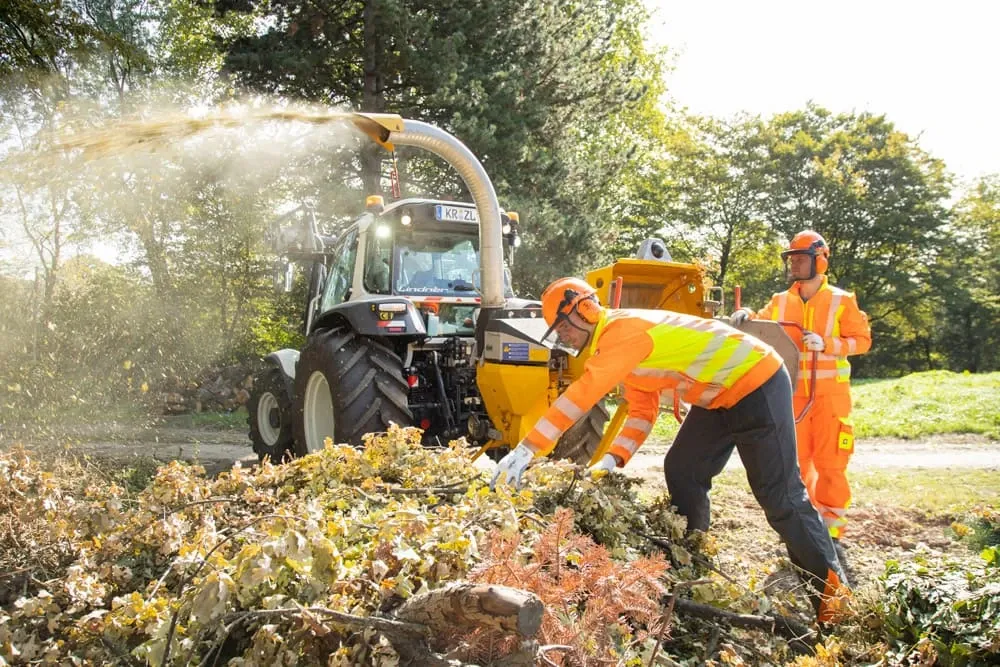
436 262
342 273
378 261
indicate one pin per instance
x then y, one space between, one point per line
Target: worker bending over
740 396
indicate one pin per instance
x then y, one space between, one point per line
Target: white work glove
813 342
513 465
603 467
739 317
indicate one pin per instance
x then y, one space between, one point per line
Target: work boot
833 605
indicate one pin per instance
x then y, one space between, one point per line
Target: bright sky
932 68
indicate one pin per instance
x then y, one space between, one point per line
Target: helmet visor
793 268
566 336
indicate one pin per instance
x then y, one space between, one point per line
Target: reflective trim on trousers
642 425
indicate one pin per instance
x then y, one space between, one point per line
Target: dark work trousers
762 428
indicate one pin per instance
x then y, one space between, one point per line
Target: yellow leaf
703 593
145 387
127 364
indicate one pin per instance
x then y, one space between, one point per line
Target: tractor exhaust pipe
455 153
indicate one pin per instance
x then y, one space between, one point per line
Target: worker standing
740 396
833 327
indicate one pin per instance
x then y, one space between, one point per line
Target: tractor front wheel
346 386
270 416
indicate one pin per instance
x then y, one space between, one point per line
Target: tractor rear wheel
346 386
270 416
580 441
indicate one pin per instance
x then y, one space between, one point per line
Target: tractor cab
428 251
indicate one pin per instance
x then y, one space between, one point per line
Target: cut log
463 607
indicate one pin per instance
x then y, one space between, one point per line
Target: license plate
455 213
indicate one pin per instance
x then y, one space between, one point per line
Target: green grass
937 492
914 406
929 403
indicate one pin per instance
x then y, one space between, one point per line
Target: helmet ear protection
589 309
570 295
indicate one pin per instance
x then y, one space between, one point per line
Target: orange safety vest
706 362
834 314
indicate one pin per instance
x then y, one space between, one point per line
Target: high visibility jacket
834 314
653 352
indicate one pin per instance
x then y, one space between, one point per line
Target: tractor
390 328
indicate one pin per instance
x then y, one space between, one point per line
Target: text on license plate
455 213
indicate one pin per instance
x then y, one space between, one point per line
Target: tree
714 194
526 85
966 281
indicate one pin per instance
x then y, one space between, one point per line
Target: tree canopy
564 103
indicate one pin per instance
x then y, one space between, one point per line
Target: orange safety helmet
560 299
810 243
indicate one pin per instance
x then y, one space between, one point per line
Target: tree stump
463 607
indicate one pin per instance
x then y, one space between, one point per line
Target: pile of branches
390 554
216 389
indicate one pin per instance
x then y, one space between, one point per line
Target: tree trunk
373 98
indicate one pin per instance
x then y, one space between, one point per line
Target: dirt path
946 451
219 448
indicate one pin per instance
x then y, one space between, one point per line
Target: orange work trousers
825 440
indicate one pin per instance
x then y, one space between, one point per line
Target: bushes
947 613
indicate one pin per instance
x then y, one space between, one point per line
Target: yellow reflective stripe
675 346
833 516
836 321
743 359
566 405
779 312
708 359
